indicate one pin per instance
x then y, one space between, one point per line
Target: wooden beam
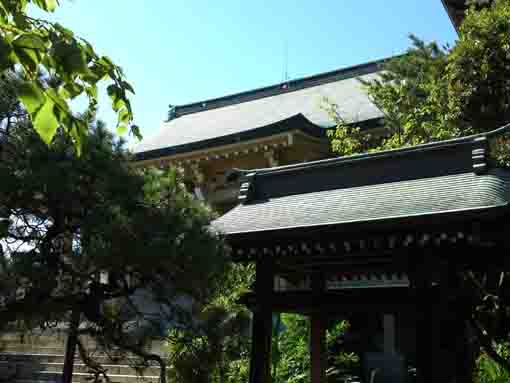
260 361
374 300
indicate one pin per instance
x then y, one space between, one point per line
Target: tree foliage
214 346
292 343
434 93
32 46
129 250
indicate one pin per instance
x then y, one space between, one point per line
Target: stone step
117 369
39 340
35 381
33 349
53 358
48 376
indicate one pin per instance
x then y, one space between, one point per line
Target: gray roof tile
416 181
371 202
259 108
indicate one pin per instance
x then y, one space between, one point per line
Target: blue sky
175 52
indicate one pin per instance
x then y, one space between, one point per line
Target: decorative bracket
479 155
272 157
247 188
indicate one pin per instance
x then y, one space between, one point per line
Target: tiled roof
200 124
424 180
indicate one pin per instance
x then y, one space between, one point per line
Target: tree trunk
72 338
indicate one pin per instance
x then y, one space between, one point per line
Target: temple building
362 237
381 237
276 125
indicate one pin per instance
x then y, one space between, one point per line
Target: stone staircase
40 359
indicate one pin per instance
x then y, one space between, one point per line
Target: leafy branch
34 46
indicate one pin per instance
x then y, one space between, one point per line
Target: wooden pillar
260 361
318 323
426 324
318 348
389 334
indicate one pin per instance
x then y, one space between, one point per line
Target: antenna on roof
285 73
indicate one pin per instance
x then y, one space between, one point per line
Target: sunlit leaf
91 91
51 5
66 32
78 131
29 48
47 5
45 122
122 129
3 13
57 99
118 104
38 46
124 116
32 97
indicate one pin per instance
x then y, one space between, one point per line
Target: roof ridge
280 88
376 155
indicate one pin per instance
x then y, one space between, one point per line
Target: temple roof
435 179
265 111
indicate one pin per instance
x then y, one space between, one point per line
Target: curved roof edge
452 179
296 122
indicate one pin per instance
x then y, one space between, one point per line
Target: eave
296 122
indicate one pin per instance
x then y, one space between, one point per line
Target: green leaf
119 104
57 99
29 48
5 51
76 61
47 5
112 90
78 131
32 96
71 90
51 5
94 74
3 13
122 129
135 129
20 20
127 86
88 49
45 121
91 91
69 58
116 94
106 62
30 41
124 116
67 33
